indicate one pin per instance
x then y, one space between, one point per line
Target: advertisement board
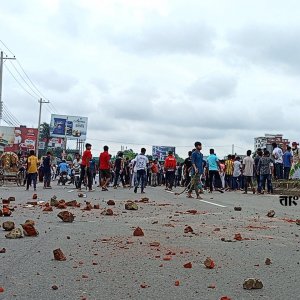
161 152
17 139
71 127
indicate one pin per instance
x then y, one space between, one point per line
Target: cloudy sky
158 72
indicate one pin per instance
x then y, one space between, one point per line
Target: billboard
71 127
161 152
17 139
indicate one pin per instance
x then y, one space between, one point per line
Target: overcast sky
158 72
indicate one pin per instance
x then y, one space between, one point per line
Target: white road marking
170 192
212 203
70 191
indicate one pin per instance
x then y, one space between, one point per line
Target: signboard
17 139
71 127
161 152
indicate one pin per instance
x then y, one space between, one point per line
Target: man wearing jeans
140 163
265 168
213 169
278 154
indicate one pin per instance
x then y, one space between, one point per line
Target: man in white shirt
278 156
140 163
248 165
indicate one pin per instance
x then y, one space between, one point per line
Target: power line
7 47
38 95
19 82
10 114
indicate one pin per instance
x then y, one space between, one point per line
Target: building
267 140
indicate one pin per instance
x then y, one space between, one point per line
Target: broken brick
268 261
3 250
96 206
107 212
130 205
48 208
6 212
271 213
209 263
144 200
59 255
71 203
177 283
54 287
188 265
111 202
29 229
188 229
237 208
66 216
34 196
138 232
238 237
16 233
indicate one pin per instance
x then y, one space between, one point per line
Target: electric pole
2 58
41 101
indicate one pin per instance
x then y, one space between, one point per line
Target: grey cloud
167 37
52 80
272 46
102 85
213 87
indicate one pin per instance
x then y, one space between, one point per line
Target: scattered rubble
66 216
238 237
107 212
8 225
268 261
72 203
237 208
188 229
29 229
34 196
54 287
138 232
58 255
252 283
3 250
271 213
130 205
188 265
111 202
16 233
144 200
298 221
209 263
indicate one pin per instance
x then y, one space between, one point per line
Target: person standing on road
265 168
32 168
213 171
278 154
187 165
119 169
170 168
140 162
197 170
287 162
248 167
104 168
85 167
47 171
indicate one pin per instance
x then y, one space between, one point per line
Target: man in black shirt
187 168
119 168
47 171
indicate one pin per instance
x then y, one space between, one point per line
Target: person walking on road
104 169
170 168
213 172
197 170
32 168
248 168
85 167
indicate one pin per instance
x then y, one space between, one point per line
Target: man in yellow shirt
32 164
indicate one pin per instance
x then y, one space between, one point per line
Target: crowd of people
255 171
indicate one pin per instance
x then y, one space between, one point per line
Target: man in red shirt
170 167
85 167
104 168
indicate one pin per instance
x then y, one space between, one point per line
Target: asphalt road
105 260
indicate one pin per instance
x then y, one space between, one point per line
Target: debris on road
59 255
237 208
188 229
138 232
238 237
66 216
107 212
252 283
209 263
16 233
3 250
298 221
130 205
29 229
144 200
188 265
72 203
111 202
54 287
271 213
268 261
8 225
177 283
34 196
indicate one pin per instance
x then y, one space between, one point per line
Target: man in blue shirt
213 169
197 170
287 162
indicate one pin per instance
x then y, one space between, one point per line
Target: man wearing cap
170 168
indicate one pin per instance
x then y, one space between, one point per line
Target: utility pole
2 58
41 101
